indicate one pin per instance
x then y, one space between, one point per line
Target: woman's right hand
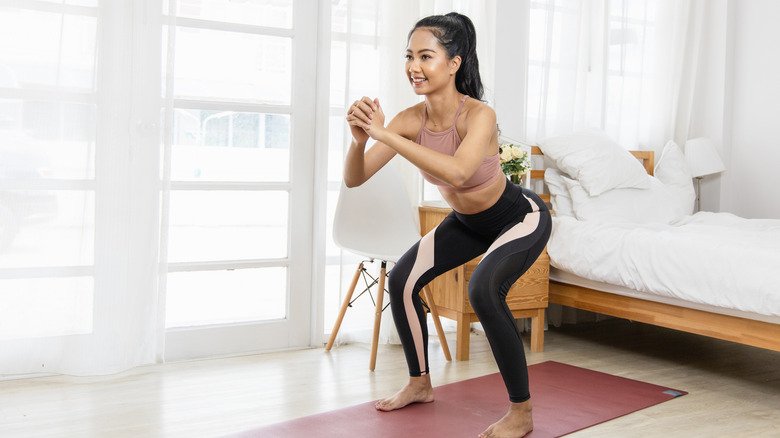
363 110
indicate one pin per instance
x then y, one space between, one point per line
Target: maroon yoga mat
565 399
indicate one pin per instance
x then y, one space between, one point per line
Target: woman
452 138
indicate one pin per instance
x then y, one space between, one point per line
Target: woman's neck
441 107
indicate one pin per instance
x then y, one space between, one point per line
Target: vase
517 178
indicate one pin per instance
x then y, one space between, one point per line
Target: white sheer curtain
368 42
627 67
76 134
94 204
624 66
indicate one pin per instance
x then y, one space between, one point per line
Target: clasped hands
366 115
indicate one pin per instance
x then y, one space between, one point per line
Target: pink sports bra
447 142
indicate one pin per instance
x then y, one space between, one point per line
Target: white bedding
710 258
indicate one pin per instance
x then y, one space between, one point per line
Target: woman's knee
395 284
482 295
399 273
397 279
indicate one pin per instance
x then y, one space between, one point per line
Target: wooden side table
527 298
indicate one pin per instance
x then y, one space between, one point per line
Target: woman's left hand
377 125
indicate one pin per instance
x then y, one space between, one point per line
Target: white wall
751 184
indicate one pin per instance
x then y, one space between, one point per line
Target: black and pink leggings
511 234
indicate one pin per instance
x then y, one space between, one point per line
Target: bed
712 274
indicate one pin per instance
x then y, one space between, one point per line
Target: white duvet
711 258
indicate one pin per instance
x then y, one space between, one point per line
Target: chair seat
381 247
376 256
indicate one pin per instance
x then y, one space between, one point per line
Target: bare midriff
477 200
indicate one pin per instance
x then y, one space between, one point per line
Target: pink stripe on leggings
422 263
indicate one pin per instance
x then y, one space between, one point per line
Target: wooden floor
734 389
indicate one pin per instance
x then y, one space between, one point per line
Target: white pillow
672 170
654 204
559 194
596 161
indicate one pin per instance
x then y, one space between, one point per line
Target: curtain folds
626 67
78 154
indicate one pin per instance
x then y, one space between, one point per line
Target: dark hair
455 32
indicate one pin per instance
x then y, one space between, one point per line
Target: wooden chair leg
344 306
437 323
378 314
537 332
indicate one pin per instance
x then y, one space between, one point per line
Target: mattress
717 262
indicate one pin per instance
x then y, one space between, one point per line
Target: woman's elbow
350 183
458 179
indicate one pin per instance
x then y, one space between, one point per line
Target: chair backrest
376 218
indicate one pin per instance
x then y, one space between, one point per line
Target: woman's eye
410 57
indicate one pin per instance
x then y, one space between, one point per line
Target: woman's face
427 66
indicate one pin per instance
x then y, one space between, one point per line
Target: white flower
506 154
517 152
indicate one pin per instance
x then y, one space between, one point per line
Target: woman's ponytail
467 79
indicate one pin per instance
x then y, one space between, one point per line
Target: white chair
376 220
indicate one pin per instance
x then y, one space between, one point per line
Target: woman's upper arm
481 125
380 154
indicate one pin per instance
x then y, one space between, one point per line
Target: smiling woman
451 138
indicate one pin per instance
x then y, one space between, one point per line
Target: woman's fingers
356 117
369 108
368 101
362 109
366 128
361 114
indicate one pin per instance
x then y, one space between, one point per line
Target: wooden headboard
646 157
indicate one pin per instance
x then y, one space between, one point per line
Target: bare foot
515 424
418 390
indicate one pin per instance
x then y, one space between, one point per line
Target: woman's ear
455 64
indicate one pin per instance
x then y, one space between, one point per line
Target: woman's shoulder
410 120
476 107
415 111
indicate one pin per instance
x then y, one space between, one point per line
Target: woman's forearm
354 164
442 166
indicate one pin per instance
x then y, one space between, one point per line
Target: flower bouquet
515 161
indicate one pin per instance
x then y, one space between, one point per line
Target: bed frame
731 328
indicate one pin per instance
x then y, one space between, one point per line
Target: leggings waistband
507 208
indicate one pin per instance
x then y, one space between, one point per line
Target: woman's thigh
512 253
448 245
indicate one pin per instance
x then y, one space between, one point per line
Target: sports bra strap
460 107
